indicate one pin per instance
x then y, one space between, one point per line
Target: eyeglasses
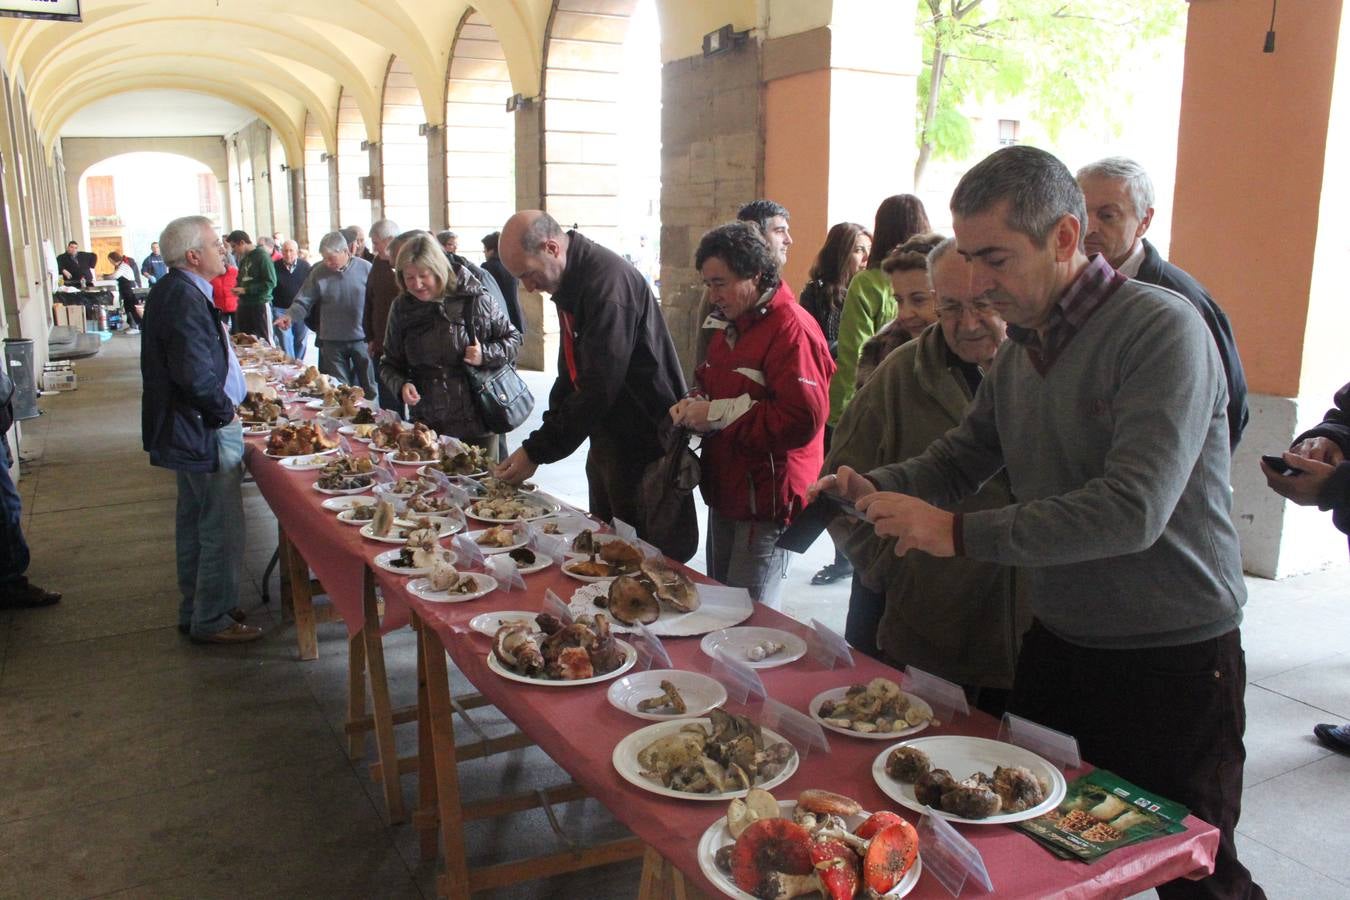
953 312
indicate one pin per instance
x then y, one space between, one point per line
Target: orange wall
1250 157
797 162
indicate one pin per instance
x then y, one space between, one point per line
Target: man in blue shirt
192 384
153 266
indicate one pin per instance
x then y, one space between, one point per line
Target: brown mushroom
630 602
671 586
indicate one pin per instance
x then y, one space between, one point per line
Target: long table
549 716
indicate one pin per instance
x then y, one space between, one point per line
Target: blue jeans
348 361
746 554
210 537
282 338
293 339
13 547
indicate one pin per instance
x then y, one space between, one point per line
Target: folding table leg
383 712
425 817
302 599
284 573
441 726
356 692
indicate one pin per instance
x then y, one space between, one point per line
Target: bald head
533 247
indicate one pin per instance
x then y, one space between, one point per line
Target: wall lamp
516 101
723 40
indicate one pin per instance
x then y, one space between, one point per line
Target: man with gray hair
449 242
192 384
1119 197
381 291
338 286
1108 409
356 241
291 274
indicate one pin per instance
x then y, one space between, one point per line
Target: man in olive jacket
961 619
618 373
192 384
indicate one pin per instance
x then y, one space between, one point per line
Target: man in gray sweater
1108 408
340 286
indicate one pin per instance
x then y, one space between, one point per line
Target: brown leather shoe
238 615
27 596
234 634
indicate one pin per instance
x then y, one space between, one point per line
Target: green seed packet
1102 812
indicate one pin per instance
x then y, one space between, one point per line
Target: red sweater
222 290
760 465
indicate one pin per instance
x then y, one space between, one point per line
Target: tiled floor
134 764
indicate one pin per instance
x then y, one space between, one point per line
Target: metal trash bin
23 369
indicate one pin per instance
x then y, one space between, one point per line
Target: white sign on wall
63 10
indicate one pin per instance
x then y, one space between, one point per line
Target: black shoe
832 573
1337 737
27 596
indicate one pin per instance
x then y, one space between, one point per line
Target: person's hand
66 275
1321 449
410 394
915 525
237 291
1303 488
473 354
283 322
692 414
516 468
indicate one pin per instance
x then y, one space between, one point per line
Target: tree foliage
1063 56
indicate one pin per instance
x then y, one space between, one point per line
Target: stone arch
479 133
403 149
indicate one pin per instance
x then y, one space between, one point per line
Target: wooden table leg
442 729
662 881
383 711
284 573
356 692
302 599
426 816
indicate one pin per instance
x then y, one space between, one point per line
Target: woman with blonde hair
443 320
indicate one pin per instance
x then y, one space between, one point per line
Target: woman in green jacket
870 304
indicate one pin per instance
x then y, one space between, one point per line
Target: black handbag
500 395
669 518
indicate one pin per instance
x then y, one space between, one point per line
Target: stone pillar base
1279 538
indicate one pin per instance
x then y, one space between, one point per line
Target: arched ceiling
282 62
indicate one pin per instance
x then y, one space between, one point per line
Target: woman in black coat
443 321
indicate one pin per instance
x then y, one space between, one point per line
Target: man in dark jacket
1320 459
291 274
1119 197
381 291
618 374
73 268
192 384
492 263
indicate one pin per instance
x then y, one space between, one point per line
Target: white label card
1056 746
801 730
827 646
470 554
949 857
503 568
946 698
651 652
625 531
554 606
741 681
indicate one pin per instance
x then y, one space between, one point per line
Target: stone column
1258 225
376 182
541 319
334 211
299 215
438 202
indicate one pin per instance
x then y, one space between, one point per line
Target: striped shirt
1092 288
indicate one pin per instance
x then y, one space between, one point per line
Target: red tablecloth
550 716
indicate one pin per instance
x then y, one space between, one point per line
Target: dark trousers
865 607
388 400
133 318
1169 719
254 319
348 362
13 548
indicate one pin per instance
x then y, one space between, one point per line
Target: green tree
1064 55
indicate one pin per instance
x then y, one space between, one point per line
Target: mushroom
671 586
630 602
770 848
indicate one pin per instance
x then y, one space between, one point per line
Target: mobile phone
841 503
1279 465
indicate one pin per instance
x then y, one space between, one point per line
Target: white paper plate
338 492
318 404
964 756
717 837
338 504
305 463
838 694
386 559
521 541
708 617
541 562
586 579
419 463
350 431
255 430
427 469
348 517
447 527
420 587
487 623
543 512
701 693
629 658
735 641
599 539
270 455
626 762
